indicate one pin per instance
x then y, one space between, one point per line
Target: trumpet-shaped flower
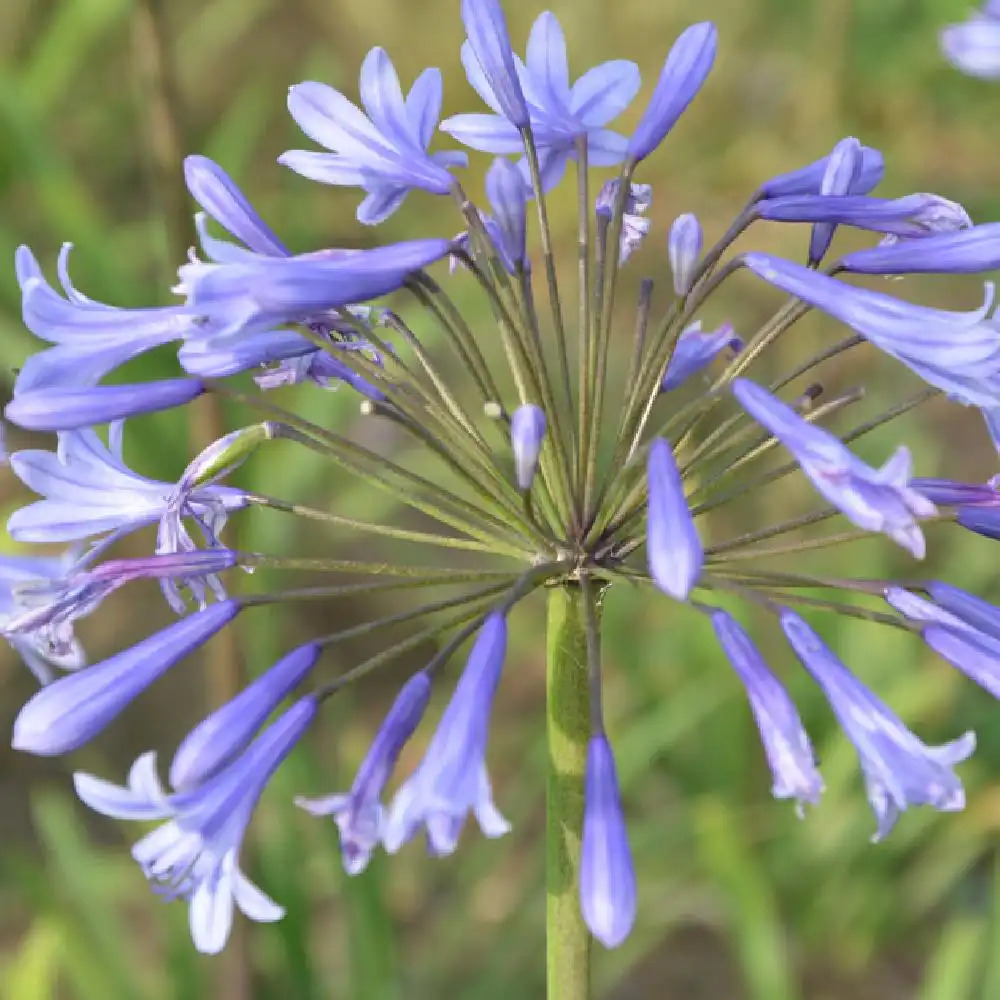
873 499
451 780
195 854
899 770
359 814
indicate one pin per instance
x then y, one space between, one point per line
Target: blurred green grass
738 898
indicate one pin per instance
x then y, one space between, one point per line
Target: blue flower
54 408
873 499
915 215
489 45
696 349
686 68
90 338
35 649
954 351
451 779
384 148
974 46
950 493
899 770
635 226
560 114
195 854
219 196
508 195
684 250
74 709
842 174
88 490
786 744
964 629
673 547
968 251
220 737
256 296
607 878
809 179
45 609
359 814
527 432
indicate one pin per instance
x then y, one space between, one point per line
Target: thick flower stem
568 729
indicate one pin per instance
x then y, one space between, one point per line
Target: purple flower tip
527 432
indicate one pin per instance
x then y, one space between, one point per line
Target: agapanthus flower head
528 436
195 854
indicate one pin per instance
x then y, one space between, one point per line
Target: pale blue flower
72 710
873 499
451 780
560 114
974 45
359 814
195 854
382 149
695 350
684 250
527 432
899 770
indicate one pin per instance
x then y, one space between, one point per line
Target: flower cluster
533 449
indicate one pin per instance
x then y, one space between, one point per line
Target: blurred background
739 899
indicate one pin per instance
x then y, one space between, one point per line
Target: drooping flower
224 734
673 548
382 149
451 780
954 351
786 744
527 432
607 878
560 115
899 770
72 710
873 499
359 814
195 854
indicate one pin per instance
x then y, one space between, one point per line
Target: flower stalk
567 715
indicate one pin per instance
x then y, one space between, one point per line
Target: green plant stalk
567 729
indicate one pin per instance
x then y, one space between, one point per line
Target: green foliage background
738 898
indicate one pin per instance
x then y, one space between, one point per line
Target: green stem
568 729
